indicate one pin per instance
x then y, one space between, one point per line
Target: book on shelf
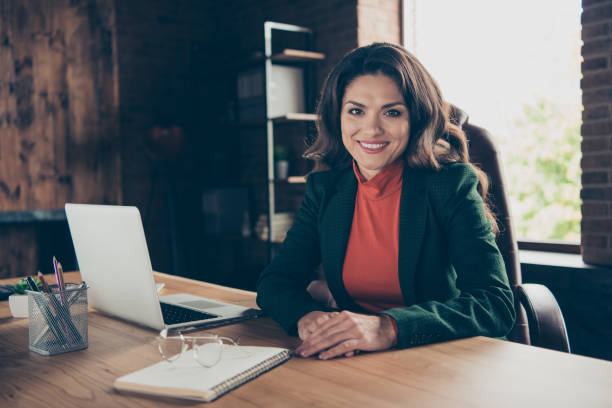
185 378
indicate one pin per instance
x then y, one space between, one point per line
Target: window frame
558 246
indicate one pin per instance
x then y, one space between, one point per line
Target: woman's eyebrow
385 106
388 105
361 105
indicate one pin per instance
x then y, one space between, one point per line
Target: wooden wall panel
18 250
59 138
59 133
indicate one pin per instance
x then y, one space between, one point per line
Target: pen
60 311
46 312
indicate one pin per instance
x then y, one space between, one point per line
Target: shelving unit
248 188
289 57
306 56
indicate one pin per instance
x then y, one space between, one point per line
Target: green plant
280 153
544 171
21 286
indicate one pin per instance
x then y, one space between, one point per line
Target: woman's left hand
345 333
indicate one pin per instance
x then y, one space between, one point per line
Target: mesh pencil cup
58 321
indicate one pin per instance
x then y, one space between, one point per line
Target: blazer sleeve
484 304
281 288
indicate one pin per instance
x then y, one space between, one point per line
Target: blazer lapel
335 230
413 216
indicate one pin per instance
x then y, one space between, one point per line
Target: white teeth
372 145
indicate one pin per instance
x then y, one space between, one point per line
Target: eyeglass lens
171 348
207 351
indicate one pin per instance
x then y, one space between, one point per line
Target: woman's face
375 123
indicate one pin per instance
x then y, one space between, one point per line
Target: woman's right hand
309 323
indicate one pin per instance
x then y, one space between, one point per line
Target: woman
395 214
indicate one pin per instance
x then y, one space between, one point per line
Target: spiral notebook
187 379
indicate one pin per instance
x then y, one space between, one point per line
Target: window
514 67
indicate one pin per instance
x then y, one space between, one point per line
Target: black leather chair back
484 155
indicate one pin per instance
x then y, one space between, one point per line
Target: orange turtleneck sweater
370 271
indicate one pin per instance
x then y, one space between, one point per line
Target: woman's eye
393 113
355 111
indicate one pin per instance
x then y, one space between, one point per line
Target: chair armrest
546 324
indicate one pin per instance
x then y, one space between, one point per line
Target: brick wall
379 20
334 24
596 131
178 63
163 49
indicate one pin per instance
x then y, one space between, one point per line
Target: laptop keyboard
175 314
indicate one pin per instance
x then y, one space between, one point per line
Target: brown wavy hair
434 138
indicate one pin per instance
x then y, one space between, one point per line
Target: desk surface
475 372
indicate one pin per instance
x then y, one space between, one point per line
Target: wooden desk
476 372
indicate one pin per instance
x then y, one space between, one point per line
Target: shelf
32 216
288 118
296 179
261 180
286 56
292 55
296 117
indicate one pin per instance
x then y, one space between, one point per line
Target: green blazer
451 272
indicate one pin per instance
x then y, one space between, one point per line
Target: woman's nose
372 125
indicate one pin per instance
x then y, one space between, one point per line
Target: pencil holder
58 321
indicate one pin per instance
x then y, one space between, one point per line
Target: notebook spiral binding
249 374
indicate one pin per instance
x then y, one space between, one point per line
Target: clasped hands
333 334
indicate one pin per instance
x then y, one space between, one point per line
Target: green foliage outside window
542 168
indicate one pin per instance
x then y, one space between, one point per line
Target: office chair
539 320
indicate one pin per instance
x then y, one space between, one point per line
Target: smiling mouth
373 147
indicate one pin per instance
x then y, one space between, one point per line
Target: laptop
113 258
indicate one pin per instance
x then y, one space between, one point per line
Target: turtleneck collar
385 183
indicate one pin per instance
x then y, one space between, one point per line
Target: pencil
61 285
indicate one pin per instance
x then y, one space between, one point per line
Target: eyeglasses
207 349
